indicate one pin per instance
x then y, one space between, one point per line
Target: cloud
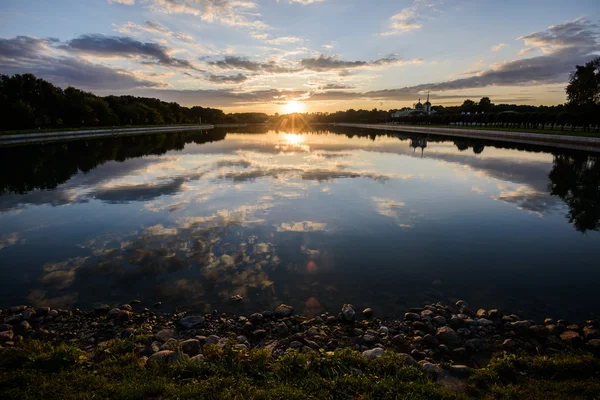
139 192
529 199
228 12
304 226
499 47
408 19
23 54
123 46
239 78
131 28
243 63
124 2
332 63
562 46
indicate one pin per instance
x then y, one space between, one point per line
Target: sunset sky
326 55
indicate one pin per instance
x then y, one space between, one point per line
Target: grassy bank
57 371
566 132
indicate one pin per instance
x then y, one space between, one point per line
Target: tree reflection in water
575 179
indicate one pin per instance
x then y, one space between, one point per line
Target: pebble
283 311
191 322
367 313
374 353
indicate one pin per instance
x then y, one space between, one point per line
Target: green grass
566 132
58 371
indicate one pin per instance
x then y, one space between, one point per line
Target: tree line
27 102
581 112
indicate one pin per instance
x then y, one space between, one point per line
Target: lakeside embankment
22 138
437 351
563 141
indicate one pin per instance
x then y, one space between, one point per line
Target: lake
315 219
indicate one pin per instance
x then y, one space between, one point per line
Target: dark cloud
331 63
239 78
24 54
122 46
243 63
327 63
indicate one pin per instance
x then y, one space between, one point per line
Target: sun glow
294 107
293 139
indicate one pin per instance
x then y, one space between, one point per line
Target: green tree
584 86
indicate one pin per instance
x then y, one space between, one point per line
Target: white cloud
408 19
125 2
499 47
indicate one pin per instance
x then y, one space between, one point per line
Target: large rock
571 337
348 314
408 359
431 369
165 334
6 336
284 311
167 357
448 336
367 313
192 321
372 354
119 315
191 347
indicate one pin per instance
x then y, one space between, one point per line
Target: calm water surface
313 220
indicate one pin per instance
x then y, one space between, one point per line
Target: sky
304 55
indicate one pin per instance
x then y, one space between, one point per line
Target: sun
294 107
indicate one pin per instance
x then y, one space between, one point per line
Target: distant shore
35 137
584 143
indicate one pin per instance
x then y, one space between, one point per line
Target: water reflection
311 219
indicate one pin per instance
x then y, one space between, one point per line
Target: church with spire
418 109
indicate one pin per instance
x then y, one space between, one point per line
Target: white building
419 108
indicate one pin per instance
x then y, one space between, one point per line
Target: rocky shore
437 336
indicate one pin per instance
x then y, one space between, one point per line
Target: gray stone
410 316
170 344
198 359
101 308
460 370
431 369
167 357
509 344
212 339
372 354
256 319
348 314
6 336
13 319
408 359
126 307
241 339
5 327
191 347
17 309
53 313
283 311
430 341
42 311
192 321
165 334
118 315
282 328
370 339
438 320
448 336
367 313
296 345
28 314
